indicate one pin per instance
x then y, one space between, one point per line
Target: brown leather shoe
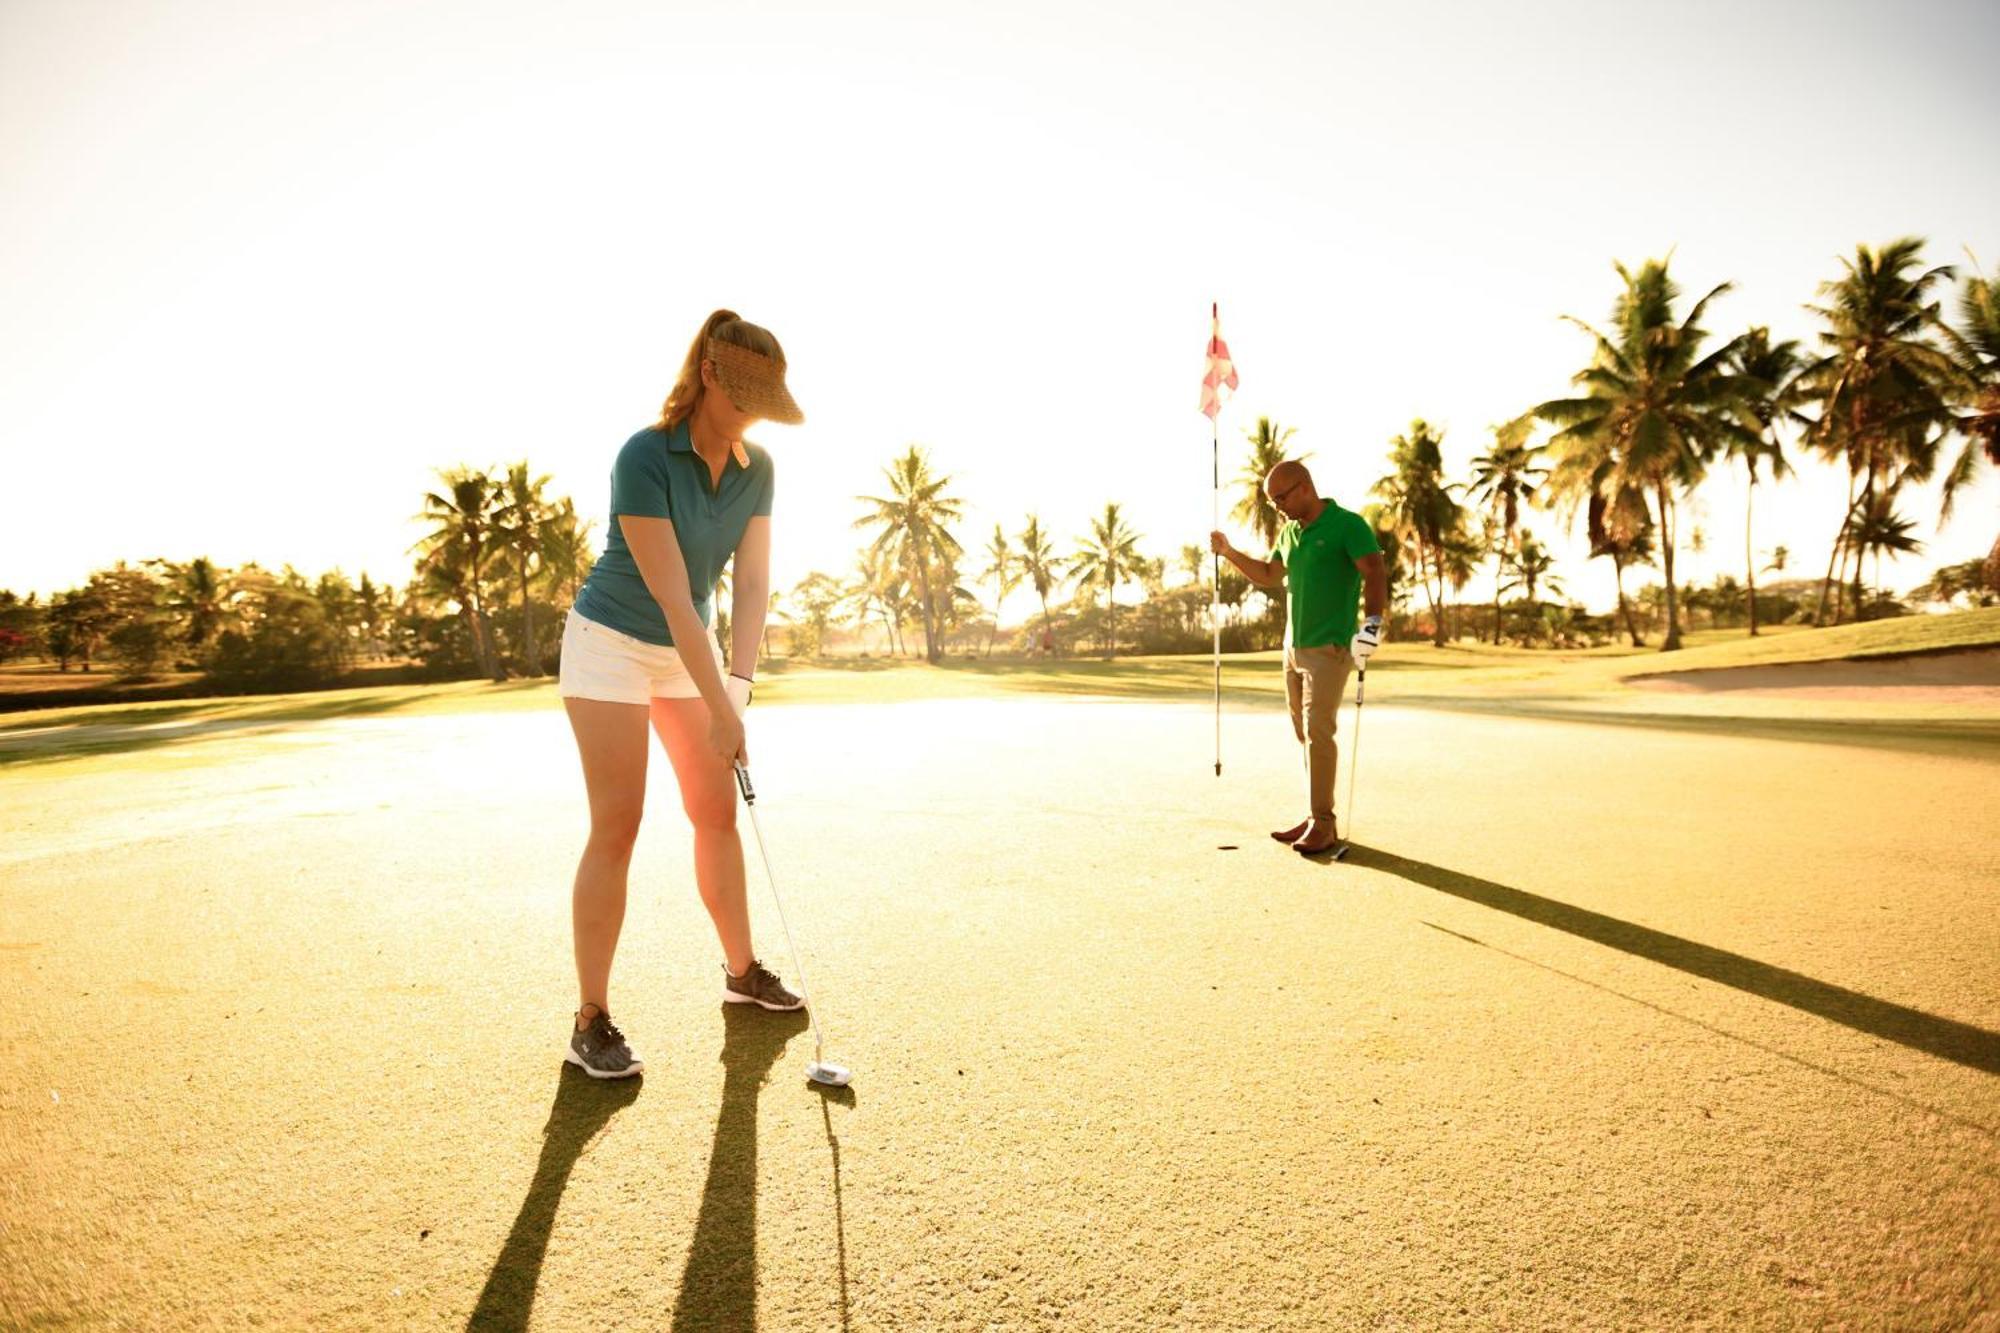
1311 845
1292 834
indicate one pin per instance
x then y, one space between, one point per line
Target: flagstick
1213 381
1215 598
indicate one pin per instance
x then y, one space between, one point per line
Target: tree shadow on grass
856 665
1949 1039
1157 677
583 1106
719 1281
1949 736
181 724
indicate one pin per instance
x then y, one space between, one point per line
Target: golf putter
819 1070
1353 763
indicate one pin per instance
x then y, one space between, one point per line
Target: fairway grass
1596 1029
1595 684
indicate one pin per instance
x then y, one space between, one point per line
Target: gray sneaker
759 986
600 1050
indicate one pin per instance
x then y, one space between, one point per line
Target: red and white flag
1221 372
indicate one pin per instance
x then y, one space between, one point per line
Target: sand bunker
1970 675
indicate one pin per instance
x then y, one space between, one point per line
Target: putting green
1603 1025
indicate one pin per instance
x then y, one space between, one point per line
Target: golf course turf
1632 1008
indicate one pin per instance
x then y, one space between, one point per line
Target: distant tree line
916 590
498 561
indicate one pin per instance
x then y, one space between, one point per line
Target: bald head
1291 489
1290 472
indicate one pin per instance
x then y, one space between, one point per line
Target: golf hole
1226 847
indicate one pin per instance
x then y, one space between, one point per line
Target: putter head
1340 852
831 1075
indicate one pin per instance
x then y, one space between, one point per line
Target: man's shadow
1947 1038
582 1107
719 1282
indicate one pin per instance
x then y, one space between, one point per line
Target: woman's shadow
719 1283
583 1106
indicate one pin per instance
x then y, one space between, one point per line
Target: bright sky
264 267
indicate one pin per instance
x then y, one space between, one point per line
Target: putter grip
743 784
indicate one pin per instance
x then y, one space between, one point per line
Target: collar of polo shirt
682 442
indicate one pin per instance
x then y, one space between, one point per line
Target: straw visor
755 383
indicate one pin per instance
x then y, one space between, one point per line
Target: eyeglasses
1278 497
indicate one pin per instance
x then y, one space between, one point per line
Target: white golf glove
738 690
1366 640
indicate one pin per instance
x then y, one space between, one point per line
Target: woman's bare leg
611 739
708 794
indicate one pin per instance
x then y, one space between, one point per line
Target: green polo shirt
1321 576
659 475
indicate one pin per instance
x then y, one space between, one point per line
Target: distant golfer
687 494
1321 556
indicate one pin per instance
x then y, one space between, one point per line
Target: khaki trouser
1315 680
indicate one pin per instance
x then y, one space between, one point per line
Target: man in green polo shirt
1323 556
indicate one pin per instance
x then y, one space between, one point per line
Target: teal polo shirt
1321 576
659 475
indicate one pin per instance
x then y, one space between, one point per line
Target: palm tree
912 519
199 593
519 524
1459 559
1975 349
443 577
341 613
1882 389
879 590
1623 532
566 555
1379 517
1780 557
1268 442
1003 569
1420 504
1878 529
1106 558
1532 565
1038 562
956 603
1503 477
456 551
374 606
1619 524
1653 410
1766 371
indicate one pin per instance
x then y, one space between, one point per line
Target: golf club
819 1071
1353 762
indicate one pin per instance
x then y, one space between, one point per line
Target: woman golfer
686 494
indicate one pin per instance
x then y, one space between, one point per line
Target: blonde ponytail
725 326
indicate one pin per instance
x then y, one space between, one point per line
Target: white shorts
599 662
